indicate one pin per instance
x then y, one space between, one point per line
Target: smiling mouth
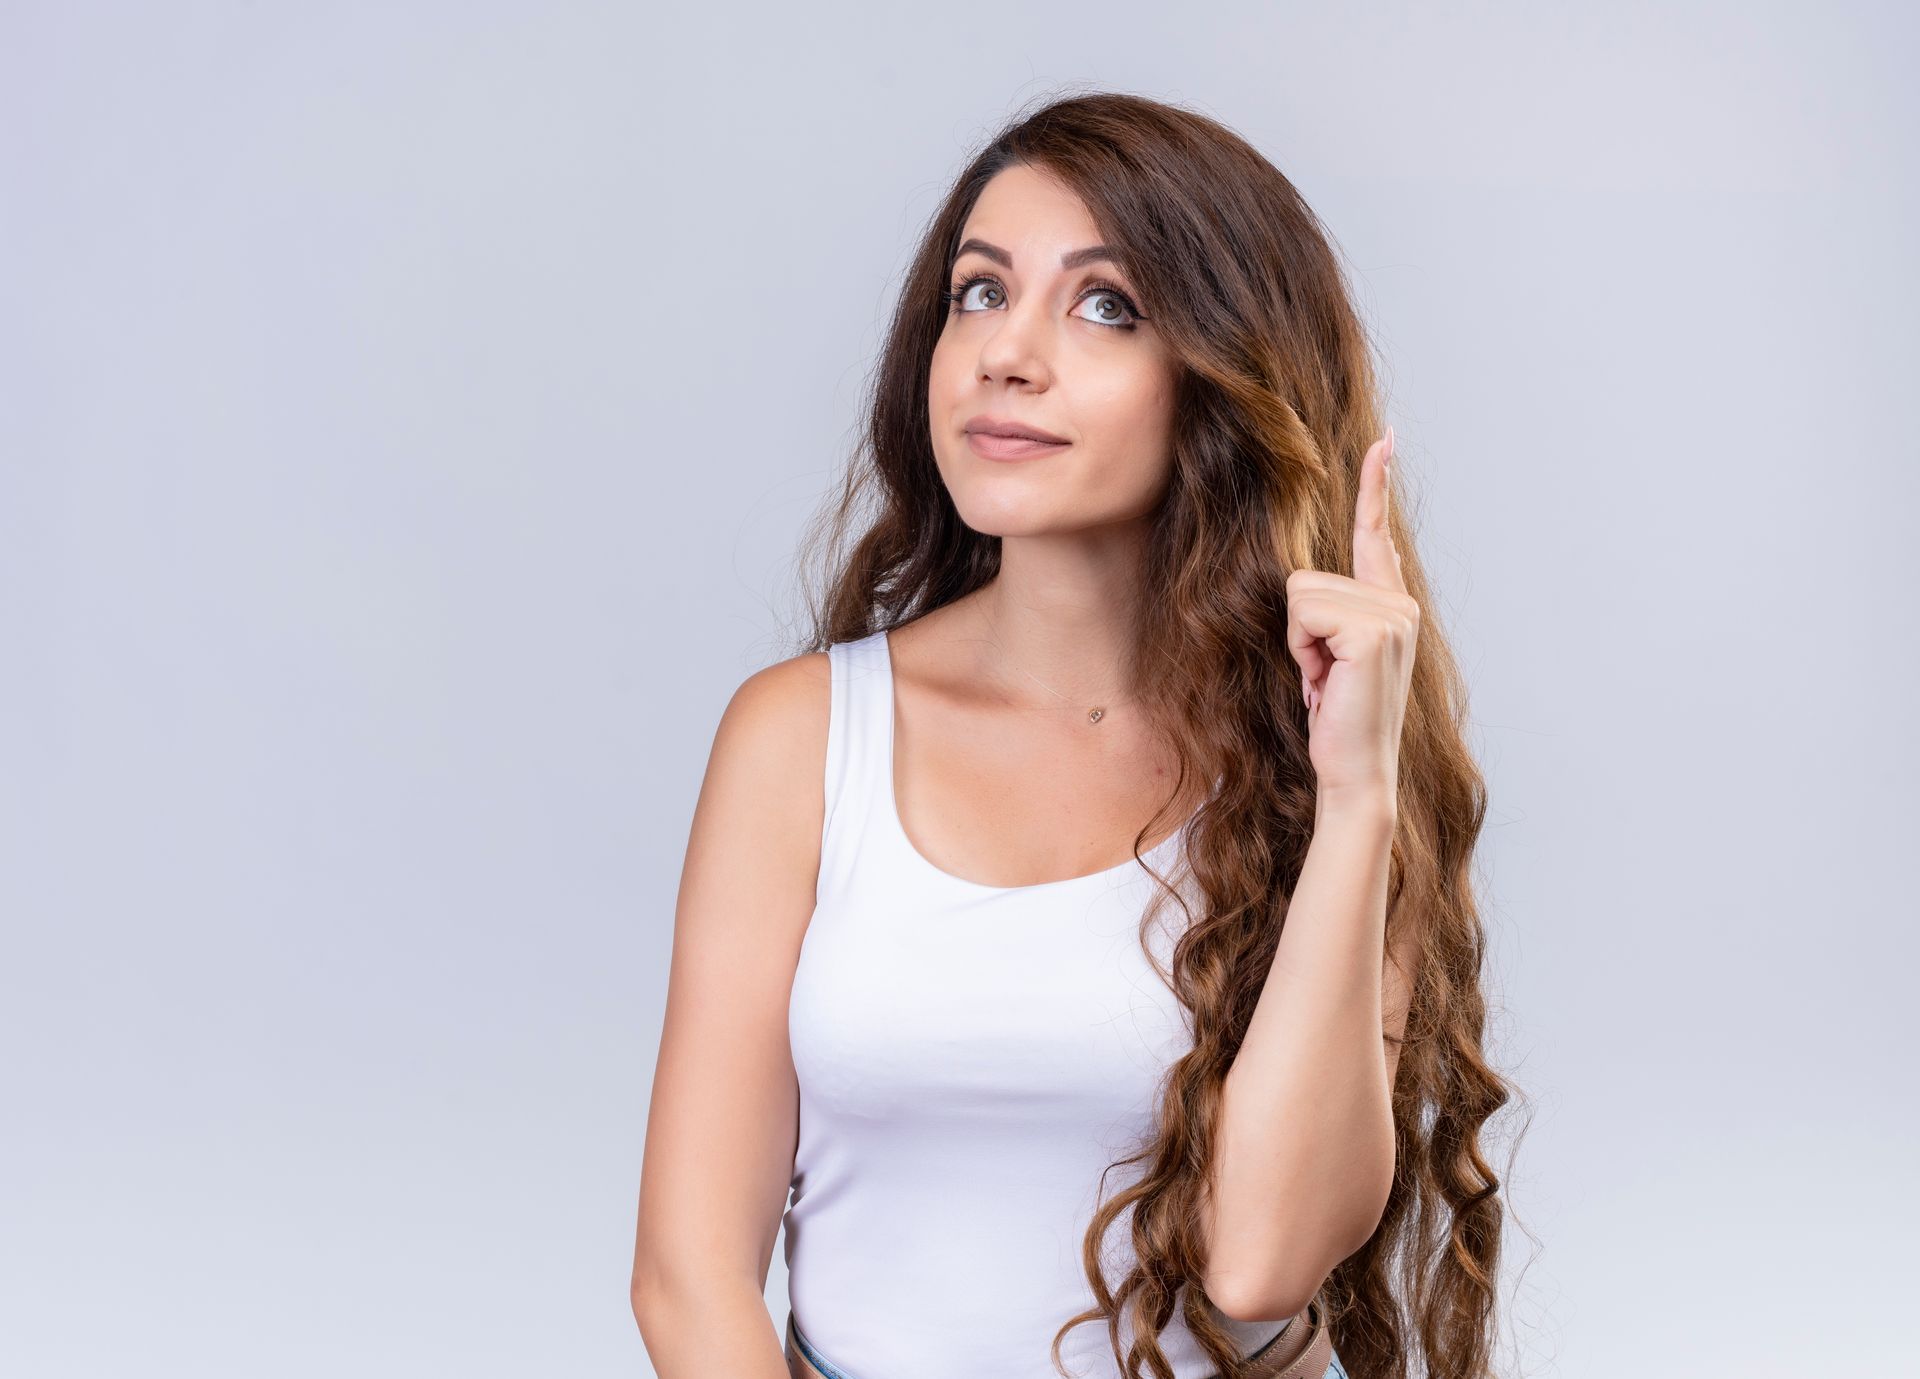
1010 447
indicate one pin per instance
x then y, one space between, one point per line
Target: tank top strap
859 752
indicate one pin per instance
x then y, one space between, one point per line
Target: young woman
1080 930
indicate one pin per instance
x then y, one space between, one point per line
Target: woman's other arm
724 1115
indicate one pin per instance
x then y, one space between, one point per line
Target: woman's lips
1010 447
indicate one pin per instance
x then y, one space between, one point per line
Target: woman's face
1056 348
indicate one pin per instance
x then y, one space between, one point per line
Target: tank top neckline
890 809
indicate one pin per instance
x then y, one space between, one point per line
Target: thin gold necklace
1094 715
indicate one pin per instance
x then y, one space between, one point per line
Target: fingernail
1389 445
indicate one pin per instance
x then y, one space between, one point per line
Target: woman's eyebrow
1073 258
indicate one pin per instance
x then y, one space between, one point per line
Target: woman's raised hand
1354 639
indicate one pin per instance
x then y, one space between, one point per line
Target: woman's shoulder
753 847
777 719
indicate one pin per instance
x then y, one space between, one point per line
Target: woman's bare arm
724 1114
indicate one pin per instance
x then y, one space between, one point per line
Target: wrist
1373 804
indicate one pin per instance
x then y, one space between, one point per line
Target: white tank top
970 1058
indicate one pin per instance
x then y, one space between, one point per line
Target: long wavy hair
1276 404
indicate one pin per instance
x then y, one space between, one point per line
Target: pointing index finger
1375 561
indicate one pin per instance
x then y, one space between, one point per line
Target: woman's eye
1112 307
1115 311
967 290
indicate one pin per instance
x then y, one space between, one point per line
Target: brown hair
1275 406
